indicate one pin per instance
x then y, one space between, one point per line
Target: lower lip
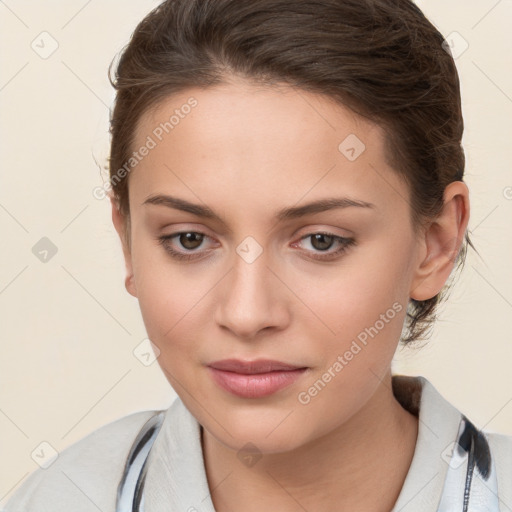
255 385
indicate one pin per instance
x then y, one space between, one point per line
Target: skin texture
247 151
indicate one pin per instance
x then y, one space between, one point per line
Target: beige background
69 328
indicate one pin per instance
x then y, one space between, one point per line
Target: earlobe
121 226
441 243
130 285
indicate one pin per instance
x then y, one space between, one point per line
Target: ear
122 225
441 242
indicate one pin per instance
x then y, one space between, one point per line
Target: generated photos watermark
304 397
157 135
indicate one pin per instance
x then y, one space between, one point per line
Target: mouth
254 379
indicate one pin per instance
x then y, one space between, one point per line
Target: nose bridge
251 276
250 300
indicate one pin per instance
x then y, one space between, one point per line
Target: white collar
176 477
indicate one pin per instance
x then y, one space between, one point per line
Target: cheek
366 309
177 306
172 317
167 295
172 311
354 298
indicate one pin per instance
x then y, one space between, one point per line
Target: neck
361 465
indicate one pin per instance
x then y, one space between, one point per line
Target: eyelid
327 229
186 227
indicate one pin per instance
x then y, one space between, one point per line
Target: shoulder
85 475
500 444
501 450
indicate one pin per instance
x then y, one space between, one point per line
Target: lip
254 379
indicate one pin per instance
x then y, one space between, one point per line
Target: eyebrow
293 212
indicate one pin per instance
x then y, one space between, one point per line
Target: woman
286 180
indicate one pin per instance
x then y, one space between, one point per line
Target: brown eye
321 244
321 241
191 240
184 245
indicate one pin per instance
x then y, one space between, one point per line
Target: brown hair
381 58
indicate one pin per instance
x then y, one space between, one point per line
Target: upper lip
250 367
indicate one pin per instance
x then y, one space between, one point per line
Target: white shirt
86 475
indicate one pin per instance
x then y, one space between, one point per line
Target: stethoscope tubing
130 491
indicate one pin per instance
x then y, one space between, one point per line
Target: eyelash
345 244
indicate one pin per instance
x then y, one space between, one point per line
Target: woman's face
244 166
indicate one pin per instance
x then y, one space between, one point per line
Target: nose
252 299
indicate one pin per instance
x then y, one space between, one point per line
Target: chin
256 440
269 431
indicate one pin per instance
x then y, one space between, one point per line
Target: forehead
230 111
273 141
